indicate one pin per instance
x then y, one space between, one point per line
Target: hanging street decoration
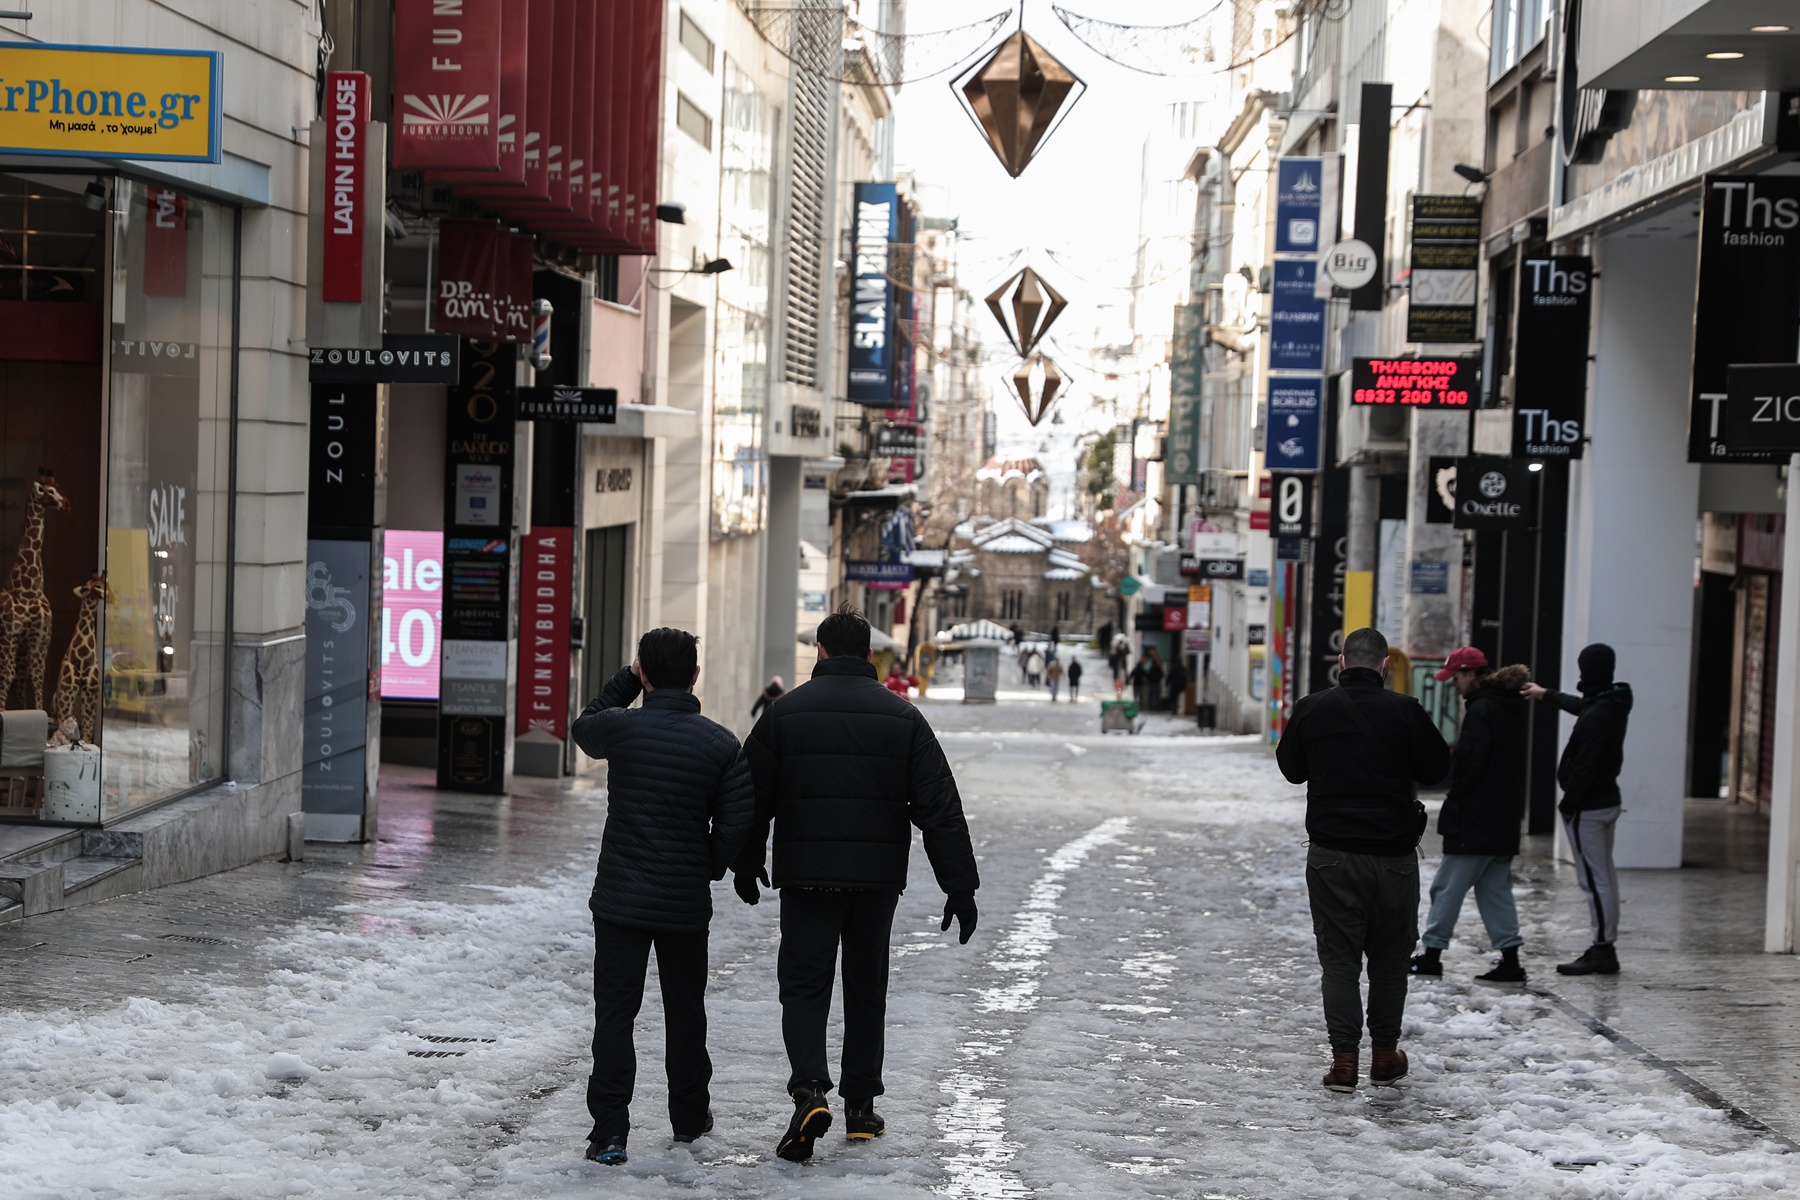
1034 305
1038 375
1017 97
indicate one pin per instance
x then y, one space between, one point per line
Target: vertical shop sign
1748 306
1299 188
1296 407
515 48
468 285
1375 106
1296 319
346 221
540 54
165 242
515 299
1550 358
335 723
1187 366
547 556
872 299
1331 560
340 496
1446 255
447 85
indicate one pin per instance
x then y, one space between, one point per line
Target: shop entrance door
603 610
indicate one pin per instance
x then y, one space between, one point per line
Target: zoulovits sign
110 102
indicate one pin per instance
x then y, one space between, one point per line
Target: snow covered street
1137 1015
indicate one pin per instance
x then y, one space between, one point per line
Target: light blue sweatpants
1491 877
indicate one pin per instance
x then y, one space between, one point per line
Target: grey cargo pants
1364 906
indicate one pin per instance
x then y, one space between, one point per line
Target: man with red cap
1482 813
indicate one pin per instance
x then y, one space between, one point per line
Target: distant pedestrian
1481 814
898 681
1055 638
1362 751
1074 679
1018 632
1153 680
1034 668
1139 678
1591 803
1177 685
1053 675
841 768
679 805
768 696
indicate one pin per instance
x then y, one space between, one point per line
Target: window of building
692 120
1062 606
1012 604
1518 26
695 42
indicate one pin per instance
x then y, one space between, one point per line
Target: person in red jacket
898 681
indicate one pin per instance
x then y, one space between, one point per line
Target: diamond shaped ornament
1016 97
1034 306
1046 385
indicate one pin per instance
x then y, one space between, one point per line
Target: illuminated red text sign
1415 382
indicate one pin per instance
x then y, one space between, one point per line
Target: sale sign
412 587
547 572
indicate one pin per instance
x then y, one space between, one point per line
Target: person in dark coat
843 769
1481 814
768 696
1140 683
1177 683
1591 803
679 805
1074 679
1362 751
1153 680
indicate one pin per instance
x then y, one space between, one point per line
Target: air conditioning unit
1365 430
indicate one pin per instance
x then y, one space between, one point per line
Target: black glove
744 884
961 907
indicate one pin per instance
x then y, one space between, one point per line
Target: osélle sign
110 102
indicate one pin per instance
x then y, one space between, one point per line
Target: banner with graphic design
447 85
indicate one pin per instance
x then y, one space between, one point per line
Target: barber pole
347 125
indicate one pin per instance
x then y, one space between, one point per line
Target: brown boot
1387 1067
1342 1076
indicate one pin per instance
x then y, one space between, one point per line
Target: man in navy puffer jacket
679 806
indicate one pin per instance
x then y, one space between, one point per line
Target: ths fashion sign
1550 359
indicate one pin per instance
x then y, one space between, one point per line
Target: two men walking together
842 769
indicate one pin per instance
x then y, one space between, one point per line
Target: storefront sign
403 358
897 441
340 496
1187 367
165 242
1258 577
517 258
467 300
1748 303
412 611
110 102
1762 411
515 47
474 679
1296 319
1189 565
1350 264
1494 493
547 560
1446 253
1550 359
1298 187
877 224
136 356
571 404
1196 641
1212 543
1218 569
879 575
334 728
346 221
1291 507
804 420
1415 382
447 85
1440 491
1256 635
1429 578
1295 407
1174 618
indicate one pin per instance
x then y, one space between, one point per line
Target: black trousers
814 924
621 962
1364 906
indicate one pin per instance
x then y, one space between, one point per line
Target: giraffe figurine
24 609
78 679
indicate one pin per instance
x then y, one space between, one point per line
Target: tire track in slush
974 1122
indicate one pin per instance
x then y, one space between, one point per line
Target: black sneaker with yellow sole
812 1117
861 1122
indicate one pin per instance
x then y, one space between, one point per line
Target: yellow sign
110 102
1359 600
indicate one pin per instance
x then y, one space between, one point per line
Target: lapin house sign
347 125
1748 305
1550 372
447 85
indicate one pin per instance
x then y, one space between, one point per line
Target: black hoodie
1486 801
1595 753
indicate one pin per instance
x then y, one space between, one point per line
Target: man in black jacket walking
844 768
1481 814
1591 803
1361 751
679 803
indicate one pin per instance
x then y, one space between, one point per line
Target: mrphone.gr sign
110 102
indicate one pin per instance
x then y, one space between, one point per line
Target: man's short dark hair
1365 648
845 632
669 657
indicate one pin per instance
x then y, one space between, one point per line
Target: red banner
468 290
447 85
515 43
515 302
547 569
165 242
346 180
580 152
539 75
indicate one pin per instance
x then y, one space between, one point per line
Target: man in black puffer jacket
844 768
1362 751
1481 814
679 804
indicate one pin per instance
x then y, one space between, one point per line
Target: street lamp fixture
672 214
1472 174
712 266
